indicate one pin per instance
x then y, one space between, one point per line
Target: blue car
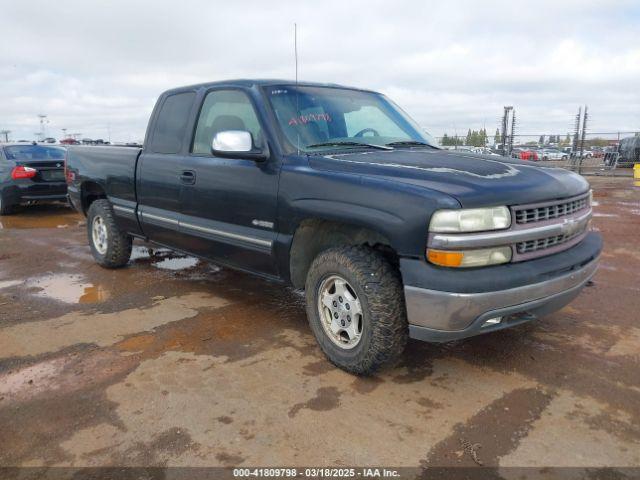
30 173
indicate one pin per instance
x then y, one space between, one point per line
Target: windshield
34 152
314 119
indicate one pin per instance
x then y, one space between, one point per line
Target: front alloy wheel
340 312
355 307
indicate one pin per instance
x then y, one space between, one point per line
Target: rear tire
111 248
373 287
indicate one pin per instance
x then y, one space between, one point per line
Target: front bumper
440 316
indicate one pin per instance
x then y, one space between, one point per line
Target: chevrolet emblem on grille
570 226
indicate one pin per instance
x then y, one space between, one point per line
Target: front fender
398 211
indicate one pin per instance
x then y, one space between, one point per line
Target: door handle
188 177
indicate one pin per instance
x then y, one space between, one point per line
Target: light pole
43 121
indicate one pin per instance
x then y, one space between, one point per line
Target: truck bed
113 167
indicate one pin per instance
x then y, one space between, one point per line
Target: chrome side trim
158 218
506 237
211 231
235 236
452 311
127 210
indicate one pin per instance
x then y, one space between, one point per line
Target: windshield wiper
410 143
349 144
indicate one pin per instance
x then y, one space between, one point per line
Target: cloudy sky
96 67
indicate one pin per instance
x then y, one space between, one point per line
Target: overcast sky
96 67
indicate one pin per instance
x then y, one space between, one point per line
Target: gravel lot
176 362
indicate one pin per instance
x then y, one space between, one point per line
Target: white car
553 154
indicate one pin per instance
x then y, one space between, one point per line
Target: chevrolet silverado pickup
337 191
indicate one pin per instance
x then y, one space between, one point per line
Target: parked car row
530 153
84 141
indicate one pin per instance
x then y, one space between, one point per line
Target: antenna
295 47
295 52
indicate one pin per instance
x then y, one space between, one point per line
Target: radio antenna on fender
295 53
295 47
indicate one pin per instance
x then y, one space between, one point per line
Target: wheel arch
90 192
314 235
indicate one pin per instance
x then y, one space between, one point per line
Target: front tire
111 248
356 310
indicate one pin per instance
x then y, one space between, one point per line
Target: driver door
229 211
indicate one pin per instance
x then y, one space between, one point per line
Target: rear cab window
171 123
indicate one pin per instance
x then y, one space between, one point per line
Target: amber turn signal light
445 259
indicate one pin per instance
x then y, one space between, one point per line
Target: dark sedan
30 173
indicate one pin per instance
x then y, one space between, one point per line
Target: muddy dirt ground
172 361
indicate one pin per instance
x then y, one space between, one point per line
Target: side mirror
236 144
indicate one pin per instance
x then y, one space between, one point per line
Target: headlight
470 220
469 258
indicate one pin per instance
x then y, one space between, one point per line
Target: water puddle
9 283
94 294
177 263
68 288
139 252
166 259
41 216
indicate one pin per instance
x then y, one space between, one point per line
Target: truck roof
248 83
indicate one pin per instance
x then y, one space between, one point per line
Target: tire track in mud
493 432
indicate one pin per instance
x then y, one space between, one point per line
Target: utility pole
64 132
505 126
576 132
43 120
6 134
513 131
584 131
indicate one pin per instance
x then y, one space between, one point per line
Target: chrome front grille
543 243
568 214
537 230
552 211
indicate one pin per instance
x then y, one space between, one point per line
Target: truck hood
474 180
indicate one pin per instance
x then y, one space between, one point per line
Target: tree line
475 138
479 138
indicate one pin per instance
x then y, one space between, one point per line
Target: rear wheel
355 307
111 248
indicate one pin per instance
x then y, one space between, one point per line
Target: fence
597 153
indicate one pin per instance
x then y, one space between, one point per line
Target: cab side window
171 123
225 110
